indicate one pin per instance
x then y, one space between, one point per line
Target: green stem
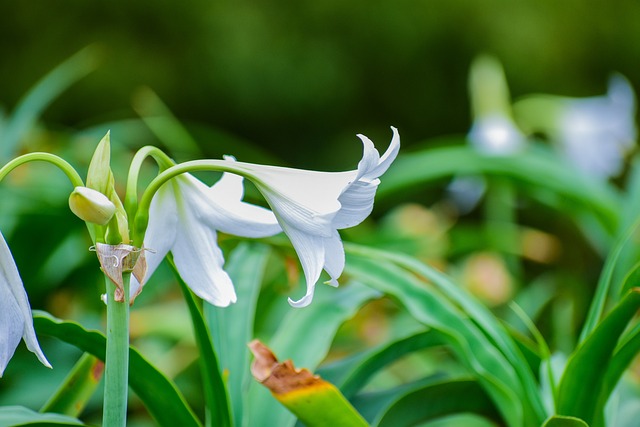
117 356
71 173
131 196
142 213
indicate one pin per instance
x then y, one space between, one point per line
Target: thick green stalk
117 356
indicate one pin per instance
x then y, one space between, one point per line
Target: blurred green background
288 83
301 79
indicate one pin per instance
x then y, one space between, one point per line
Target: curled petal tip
302 302
332 282
229 158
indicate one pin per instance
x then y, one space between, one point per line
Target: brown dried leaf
280 378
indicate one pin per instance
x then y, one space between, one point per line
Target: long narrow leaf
470 344
76 390
478 313
584 375
232 327
20 416
314 401
439 400
160 396
356 374
218 410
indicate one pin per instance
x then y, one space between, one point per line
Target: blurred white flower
496 134
493 131
312 206
183 218
596 133
16 321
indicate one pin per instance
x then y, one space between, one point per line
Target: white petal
161 232
334 258
11 324
357 204
306 199
233 216
199 262
370 157
310 250
387 158
10 278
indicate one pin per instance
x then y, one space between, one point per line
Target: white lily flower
595 133
16 321
183 218
312 206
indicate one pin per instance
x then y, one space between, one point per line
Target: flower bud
91 206
99 175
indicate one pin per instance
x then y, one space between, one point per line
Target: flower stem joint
118 259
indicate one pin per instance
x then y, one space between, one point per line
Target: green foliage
415 334
161 397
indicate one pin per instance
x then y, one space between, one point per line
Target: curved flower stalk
183 218
16 321
312 206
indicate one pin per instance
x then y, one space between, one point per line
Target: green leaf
560 421
160 396
42 94
584 375
438 400
472 346
356 371
218 410
535 168
481 317
20 416
305 336
232 327
605 282
76 390
314 401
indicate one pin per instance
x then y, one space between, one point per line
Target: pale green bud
91 206
99 174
